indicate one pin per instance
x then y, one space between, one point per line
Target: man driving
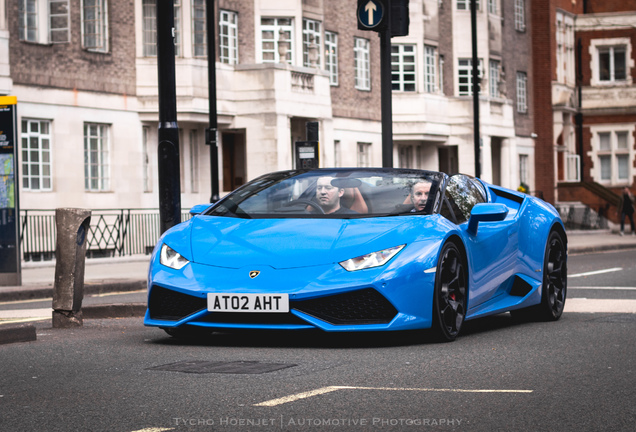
328 196
419 195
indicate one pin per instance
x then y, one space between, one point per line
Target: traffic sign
370 14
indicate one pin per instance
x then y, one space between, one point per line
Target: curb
599 248
17 333
90 287
123 310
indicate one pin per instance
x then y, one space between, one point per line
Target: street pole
386 92
211 134
476 133
168 150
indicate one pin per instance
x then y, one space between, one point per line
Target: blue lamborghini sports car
359 249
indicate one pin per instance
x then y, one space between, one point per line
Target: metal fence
112 232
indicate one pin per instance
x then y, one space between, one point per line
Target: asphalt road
577 374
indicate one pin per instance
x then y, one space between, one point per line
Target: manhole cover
232 367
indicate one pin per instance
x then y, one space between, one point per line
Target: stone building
85 74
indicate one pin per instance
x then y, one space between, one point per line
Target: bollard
70 253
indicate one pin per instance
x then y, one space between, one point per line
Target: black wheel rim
452 292
555 278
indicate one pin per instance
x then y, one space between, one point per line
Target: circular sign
370 13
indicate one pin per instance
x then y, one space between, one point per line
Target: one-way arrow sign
370 14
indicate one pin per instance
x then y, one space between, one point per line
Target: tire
555 278
554 286
451 290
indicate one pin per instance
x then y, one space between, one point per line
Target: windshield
333 193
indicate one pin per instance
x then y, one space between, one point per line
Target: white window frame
493 7
96 159
312 28
430 69
362 64
331 56
228 37
286 24
565 49
37 158
95 25
364 154
522 92
149 28
146 166
44 21
465 5
614 153
200 30
405 71
494 66
596 46
465 71
520 15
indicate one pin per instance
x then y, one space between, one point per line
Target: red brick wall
602 6
542 28
67 65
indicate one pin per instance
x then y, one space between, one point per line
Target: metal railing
112 232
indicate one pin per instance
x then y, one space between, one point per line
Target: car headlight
370 260
171 258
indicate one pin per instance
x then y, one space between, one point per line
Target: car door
492 251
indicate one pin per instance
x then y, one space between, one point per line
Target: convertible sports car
359 249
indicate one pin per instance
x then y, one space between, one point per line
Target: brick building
85 74
585 101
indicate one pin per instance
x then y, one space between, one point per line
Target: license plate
232 302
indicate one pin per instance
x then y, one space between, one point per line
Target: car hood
291 243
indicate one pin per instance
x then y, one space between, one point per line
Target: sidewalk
125 274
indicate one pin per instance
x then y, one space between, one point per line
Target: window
461 195
149 24
95 25
43 21
565 49
429 69
405 156
364 154
492 6
465 74
311 43
228 37
36 155
147 173
361 64
465 4
337 156
614 155
331 56
520 15
277 40
612 64
149 9
523 169
403 67
199 29
194 161
441 73
522 92
96 157
493 83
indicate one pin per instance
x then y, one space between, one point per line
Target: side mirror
198 209
486 213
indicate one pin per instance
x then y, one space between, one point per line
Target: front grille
165 304
252 318
365 306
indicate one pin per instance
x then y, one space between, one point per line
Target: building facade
584 64
85 74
